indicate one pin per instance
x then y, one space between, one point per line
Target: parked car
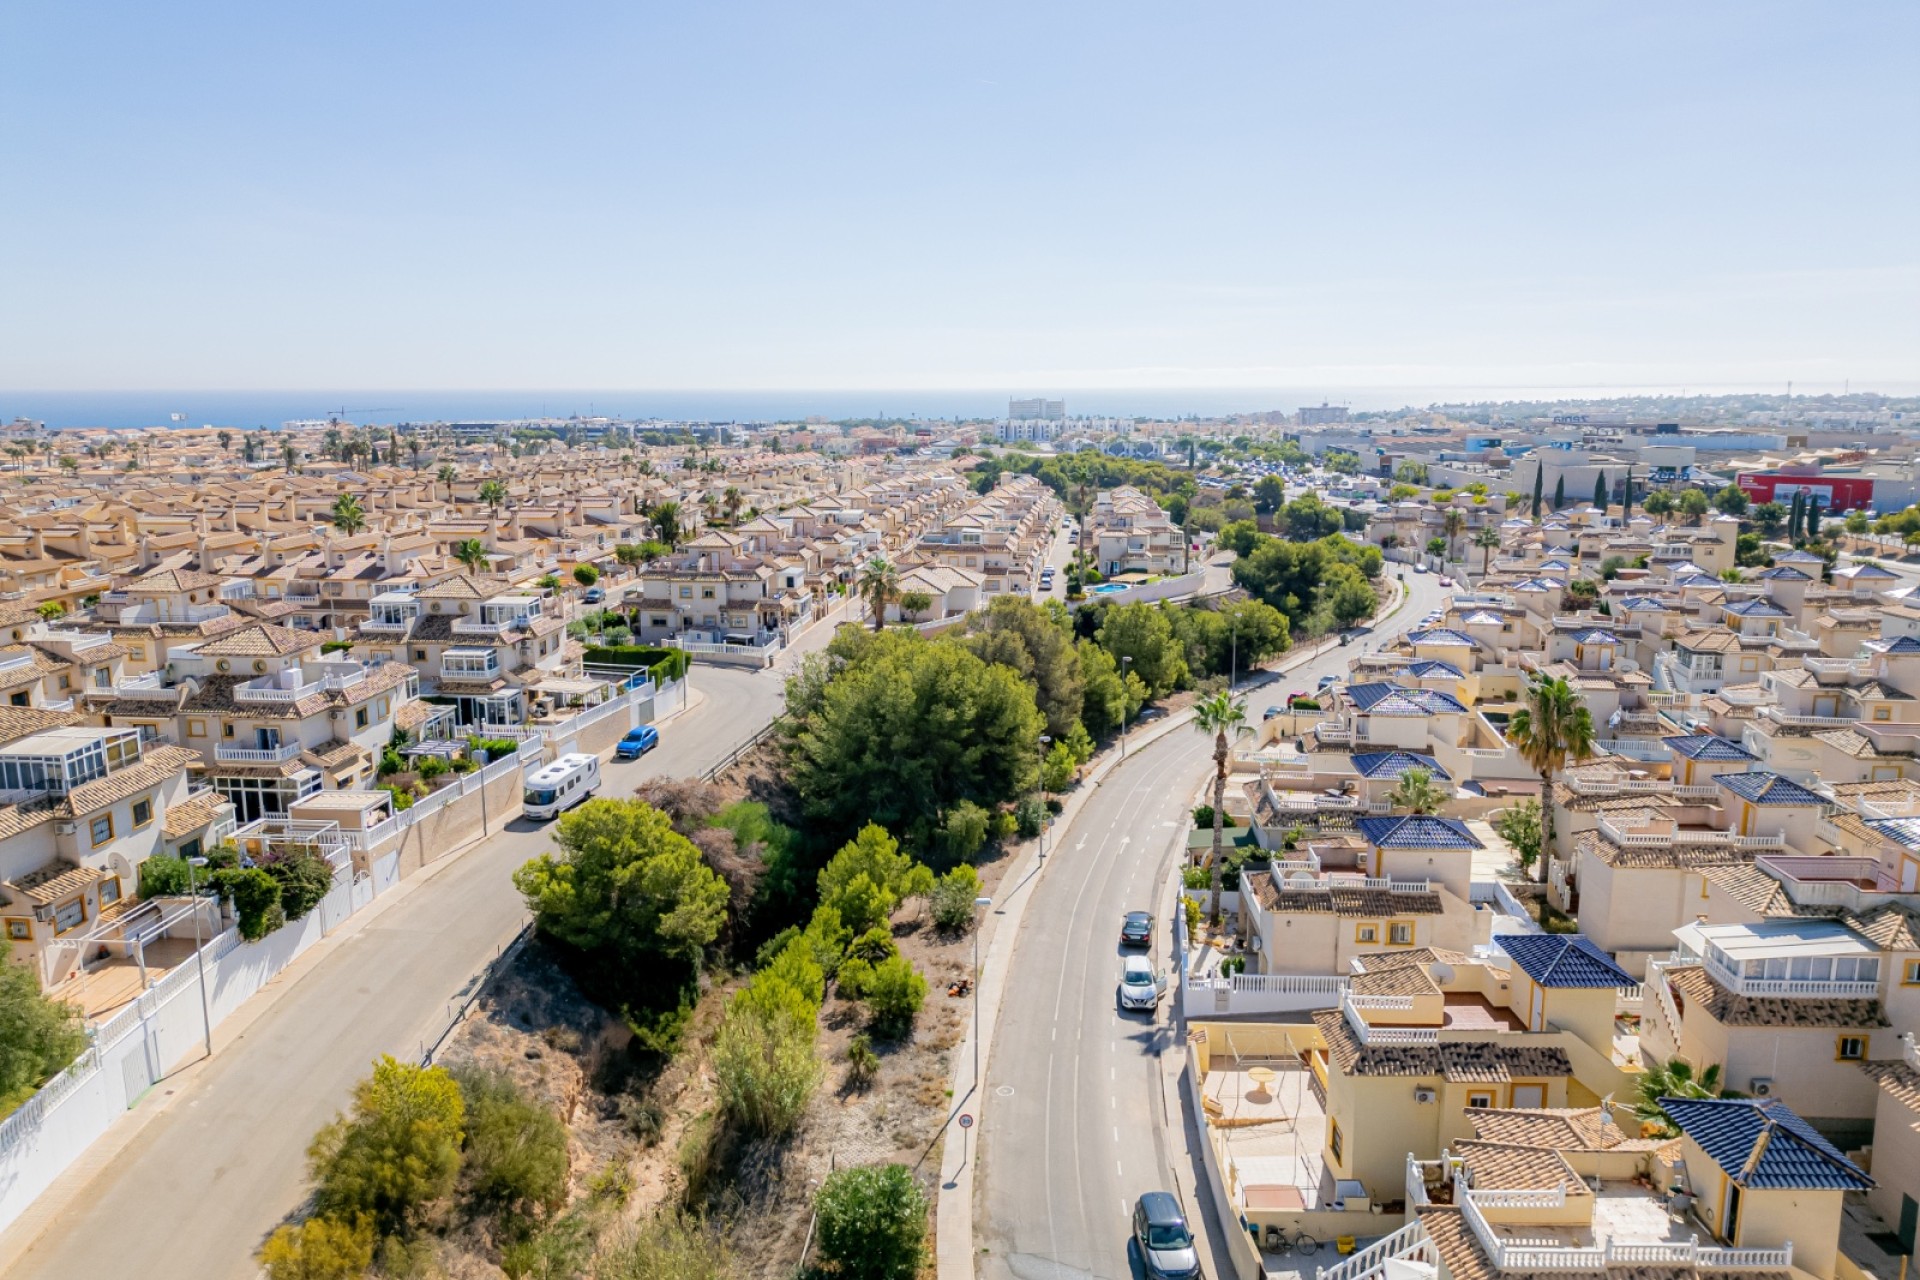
1160 1234
594 595
638 742
1327 680
1271 712
1140 987
1136 929
1446 581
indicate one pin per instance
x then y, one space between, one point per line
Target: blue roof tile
1416 831
1441 635
1565 960
1762 787
1762 1144
1762 608
1391 764
1708 746
1904 832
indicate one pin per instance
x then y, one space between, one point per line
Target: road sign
966 1121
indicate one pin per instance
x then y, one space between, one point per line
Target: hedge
661 663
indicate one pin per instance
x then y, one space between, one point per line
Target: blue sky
1026 195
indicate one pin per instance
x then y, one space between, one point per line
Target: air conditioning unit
1424 1095
1760 1087
66 828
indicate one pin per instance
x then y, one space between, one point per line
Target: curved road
1071 1125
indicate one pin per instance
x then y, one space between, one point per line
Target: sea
248 410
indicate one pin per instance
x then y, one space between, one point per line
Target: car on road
1327 680
1136 929
594 595
1140 987
1271 712
1446 581
1419 568
1160 1234
638 742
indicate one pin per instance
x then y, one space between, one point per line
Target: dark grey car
1160 1233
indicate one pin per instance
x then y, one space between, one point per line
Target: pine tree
1600 491
1560 493
1539 473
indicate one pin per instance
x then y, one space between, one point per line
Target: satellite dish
1255 942
1442 972
121 867
1301 877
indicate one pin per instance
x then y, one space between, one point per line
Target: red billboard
1836 493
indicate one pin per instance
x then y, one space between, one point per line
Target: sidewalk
955 1249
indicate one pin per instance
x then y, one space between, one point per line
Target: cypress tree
1626 501
1539 474
1794 514
1560 493
1600 491
1813 516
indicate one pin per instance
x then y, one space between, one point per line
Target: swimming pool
1108 588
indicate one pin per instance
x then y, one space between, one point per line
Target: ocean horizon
248 410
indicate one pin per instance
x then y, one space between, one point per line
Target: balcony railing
1372 1035
149 685
1807 722
1835 666
153 611
1509 1255
480 627
390 625
1659 837
1812 988
1332 731
257 755
276 693
457 670
1591 786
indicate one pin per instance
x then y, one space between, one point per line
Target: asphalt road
223 1159
1071 1123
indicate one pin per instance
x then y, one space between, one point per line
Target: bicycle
1277 1241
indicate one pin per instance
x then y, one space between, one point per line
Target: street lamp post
200 956
1125 662
1046 815
978 902
1233 661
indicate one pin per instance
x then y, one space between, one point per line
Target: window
385 706
1883 713
101 828
1910 975
1335 1142
360 718
20 699
109 891
686 593
19 930
1366 933
196 728
142 812
1480 1100
1400 933
226 730
419 655
191 849
1850 1048
69 916
66 682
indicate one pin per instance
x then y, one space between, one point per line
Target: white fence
137 1047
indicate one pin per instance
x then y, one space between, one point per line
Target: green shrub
1203 818
614 1183
304 878
669 1246
391 762
319 1249
397 1149
256 900
964 832
335 646
894 995
164 876
38 1037
863 1064
873 946
1058 768
873 1222
558 1252
462 764
764 1064
1029 816
854 978
952 902
516 1150
1192 907
402 798
585 574
1004 824
432 767
494 747
1196 878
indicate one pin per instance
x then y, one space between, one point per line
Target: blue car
638 742
594 595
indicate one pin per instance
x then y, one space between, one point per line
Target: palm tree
493 493
288 454
447 473
1451 524
1487 539
415 448
1416 793
1673 1078
472 553
666 523
1551 728
879 584
348 516
732 498
1219 715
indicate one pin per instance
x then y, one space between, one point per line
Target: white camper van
561 785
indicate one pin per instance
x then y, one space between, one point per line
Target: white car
1140 987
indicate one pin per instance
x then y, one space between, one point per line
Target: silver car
1140 987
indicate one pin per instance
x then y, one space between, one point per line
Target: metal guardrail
733 757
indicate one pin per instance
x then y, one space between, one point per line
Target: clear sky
952 195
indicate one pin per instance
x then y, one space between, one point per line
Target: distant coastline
248 410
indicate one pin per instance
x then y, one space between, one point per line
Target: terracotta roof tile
1696 986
